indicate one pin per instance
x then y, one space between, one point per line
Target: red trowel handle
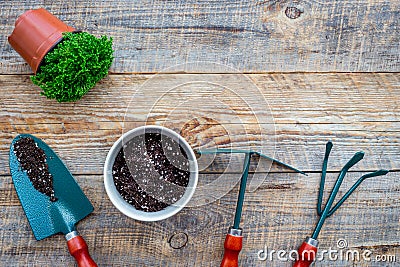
307 253
79 250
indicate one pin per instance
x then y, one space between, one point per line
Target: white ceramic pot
130 210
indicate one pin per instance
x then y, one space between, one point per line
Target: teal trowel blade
47 218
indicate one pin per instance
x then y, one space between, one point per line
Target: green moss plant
74 66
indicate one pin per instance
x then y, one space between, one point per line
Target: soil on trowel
151 172
33 160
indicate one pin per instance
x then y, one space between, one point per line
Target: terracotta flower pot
36 32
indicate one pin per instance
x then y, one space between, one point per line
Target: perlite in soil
151 172
33 160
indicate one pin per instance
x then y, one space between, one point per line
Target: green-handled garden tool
308 250
234 238
48 217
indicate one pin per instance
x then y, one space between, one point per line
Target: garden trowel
48 216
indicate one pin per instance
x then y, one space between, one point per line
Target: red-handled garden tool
233 240
308 250
60 210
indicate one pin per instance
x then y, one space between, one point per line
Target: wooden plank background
250 35
352 110
300 66
279 214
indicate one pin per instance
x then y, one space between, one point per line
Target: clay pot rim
52 48
36 32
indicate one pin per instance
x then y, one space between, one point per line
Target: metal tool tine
328 149
222 150
354 187
281 163
356 158
238 151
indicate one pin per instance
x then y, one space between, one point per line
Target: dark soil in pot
151 172
33 160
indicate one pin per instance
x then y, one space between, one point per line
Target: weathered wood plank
278 215
85 153
83 132
250 36
274 216
293 98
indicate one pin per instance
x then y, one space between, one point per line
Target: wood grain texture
296 100
355 111
250 36
275 217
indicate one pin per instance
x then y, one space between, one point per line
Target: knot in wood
178 240
293 12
